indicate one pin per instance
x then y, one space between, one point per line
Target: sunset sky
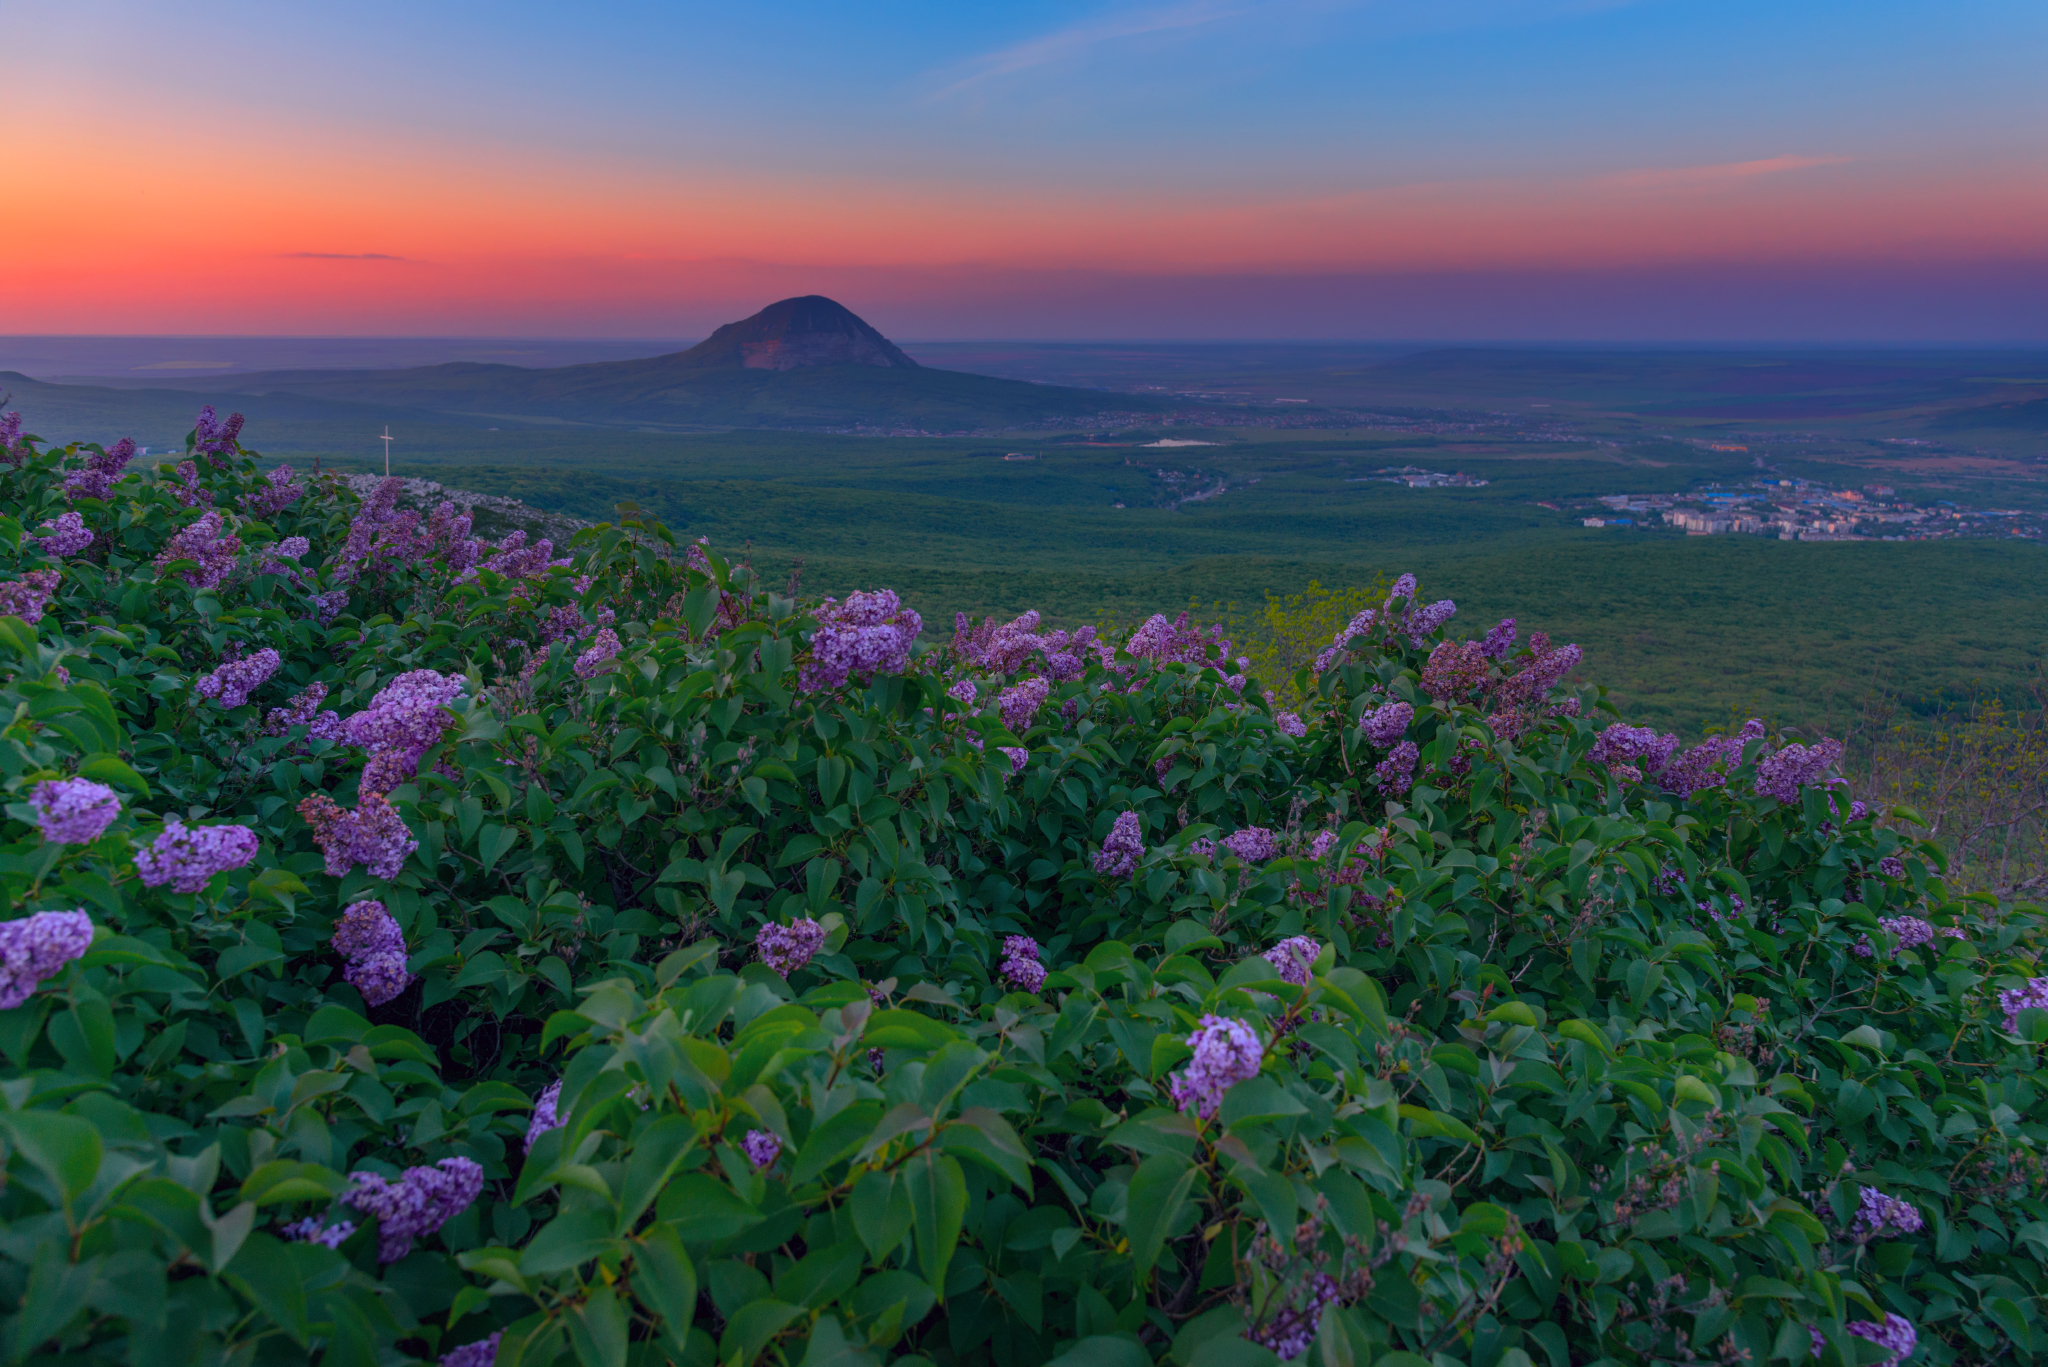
1854 170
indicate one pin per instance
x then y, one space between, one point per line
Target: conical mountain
802 362
792 334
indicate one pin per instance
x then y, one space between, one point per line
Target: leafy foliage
1581 1070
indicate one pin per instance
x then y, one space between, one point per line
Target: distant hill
803 362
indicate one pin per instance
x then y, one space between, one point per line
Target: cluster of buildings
1415 477
1801 510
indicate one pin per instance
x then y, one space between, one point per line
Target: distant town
1803 510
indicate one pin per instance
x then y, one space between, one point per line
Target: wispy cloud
1723 173
340 256
1076 41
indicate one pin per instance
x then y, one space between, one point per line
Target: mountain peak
791 334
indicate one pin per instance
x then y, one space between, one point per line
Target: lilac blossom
1780 775
1356 627
596 660
1289 724
211 550
762 1148
1293 1328
298 711
1226 1053
788 948
232 683
1020 704
373 835
482 1353
280 559
406 718
962 692
1546 668
214 439
1706 765
1397 771
1500 641
12 449
1324 842
1419 624
1202 847
1891 866
186 489
1896 1335
102 470
29 595
1253 844
1387 723
313 1230
35 947
187 856
1122 848
1021 968
379 977
1639 748
1017 756
1455 671
870 633
1876 1212
416 1205
65 534
366 928
74 811
2014 1000
1001 649
1175 642
1294 957
276 494
545 1117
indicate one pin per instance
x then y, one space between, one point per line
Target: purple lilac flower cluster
35 947
1020 968
788 948
1289 724
1500 642
1891 866
1293 1328
481 1353
1877 1212
102 470
870 633
1226 1053
213 438
1418 624
406 718
1018 757
74 811
596 660
1177 642
517 560
1122 848
231 684
1783 773
1912 932
12 449
1456 670
65 534
1007 648
545 1117
1294 957
314 1230
1526 689
1396 772
1706 765
275 494
187 856
1640 748
416 1205
300 711
186 489
29 595
1019 704
1896 1336
375 949
383 536
762 1148
2014 1000
1253 844
1387 723
203 542
373 835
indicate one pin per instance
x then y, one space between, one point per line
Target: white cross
386 439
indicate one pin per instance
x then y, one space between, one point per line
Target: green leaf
938 1201
835 1139
284 1180
112 769
752 1326
263 1271
665 1281
65 1148
657 1151
829 1348
597 1329
569 1240
1103 1350
55 1295
882 1212
989 1138
1157 1189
